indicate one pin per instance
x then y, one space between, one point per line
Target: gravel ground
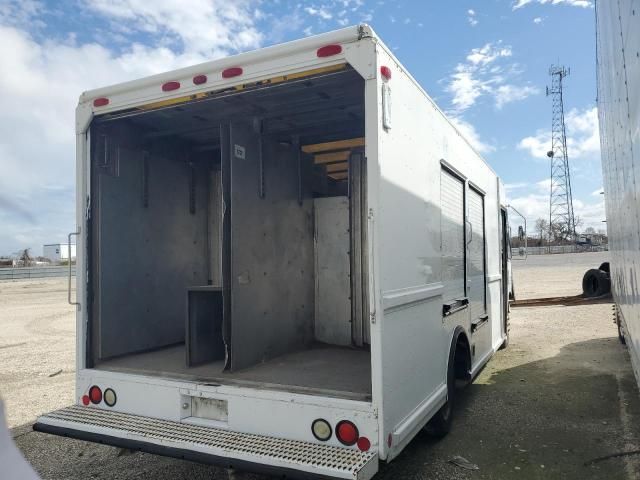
560 396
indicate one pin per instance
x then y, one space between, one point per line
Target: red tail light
329 50
199 79
231 72
100 102
347 433
167 87
385 72
364 444
86 400
95 394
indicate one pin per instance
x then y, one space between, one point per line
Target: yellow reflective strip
172 101
238 88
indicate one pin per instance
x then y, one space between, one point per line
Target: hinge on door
372 316
370 215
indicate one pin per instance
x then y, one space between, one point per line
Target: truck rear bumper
243 451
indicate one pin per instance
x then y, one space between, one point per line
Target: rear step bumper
242 451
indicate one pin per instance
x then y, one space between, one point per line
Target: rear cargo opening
227 241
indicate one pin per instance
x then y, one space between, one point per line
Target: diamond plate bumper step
295 459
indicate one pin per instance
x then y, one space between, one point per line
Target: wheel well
462 358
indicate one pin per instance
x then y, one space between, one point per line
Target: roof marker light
199 79
385 72
100 102
167 87
231 72
329 50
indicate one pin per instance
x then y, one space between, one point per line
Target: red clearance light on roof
167 87
232 72
385 72
329 50
100 102
199 79
347 433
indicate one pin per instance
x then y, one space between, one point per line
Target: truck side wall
618 44
414 337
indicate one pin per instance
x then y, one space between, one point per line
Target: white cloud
211 27
319 12
484 73
573 3
512 93
469 132
537 20
41 80
583 137
471 17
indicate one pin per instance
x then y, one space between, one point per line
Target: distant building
57 252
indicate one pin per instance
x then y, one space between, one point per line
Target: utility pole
561 218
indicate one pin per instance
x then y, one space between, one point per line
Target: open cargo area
226 241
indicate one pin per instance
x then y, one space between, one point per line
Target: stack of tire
597 281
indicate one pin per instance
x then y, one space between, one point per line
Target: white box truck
287 261
618 62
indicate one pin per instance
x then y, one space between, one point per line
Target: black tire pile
596 282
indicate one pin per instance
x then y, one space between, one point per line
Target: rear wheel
440 423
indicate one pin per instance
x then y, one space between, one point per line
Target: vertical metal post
76 233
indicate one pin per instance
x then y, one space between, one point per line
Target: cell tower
561 219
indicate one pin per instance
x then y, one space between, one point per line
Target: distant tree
590 231
542 227
25 258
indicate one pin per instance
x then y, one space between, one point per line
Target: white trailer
287 260
618 38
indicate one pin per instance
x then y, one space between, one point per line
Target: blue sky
485 62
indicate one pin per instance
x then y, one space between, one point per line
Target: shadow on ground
539 420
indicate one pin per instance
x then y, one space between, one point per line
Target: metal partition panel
272 257
333 288
150 246
476 264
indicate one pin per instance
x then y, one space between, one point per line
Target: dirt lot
560 396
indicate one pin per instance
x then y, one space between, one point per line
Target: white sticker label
239 151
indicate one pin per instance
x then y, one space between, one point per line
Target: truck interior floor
342 371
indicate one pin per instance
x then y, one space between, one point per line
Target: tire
604 266
595 283
505 342
440 423
623 340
